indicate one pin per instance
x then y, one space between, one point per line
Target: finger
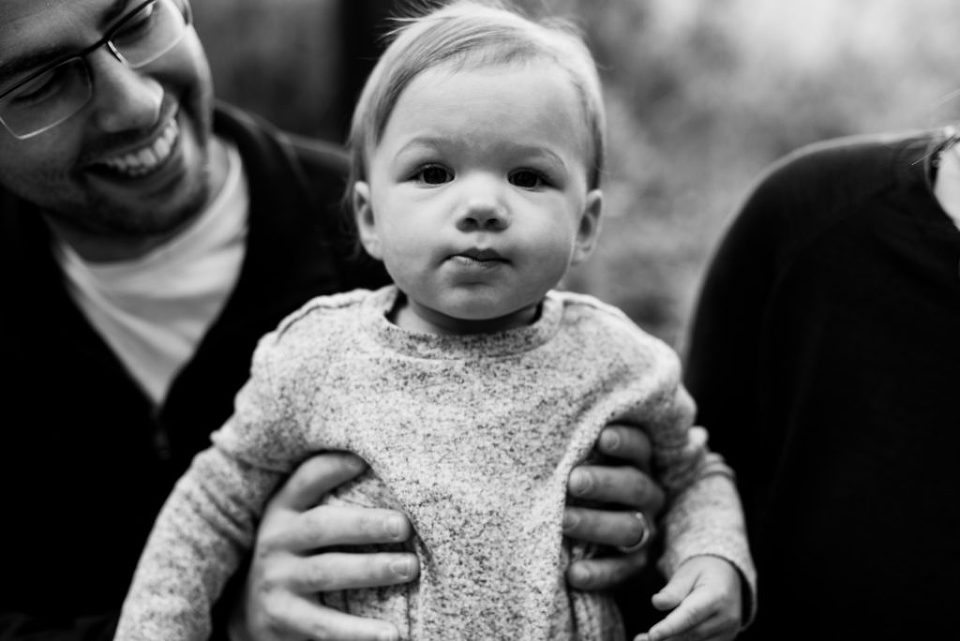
627 443
605 573
315 477
694 610
713 629
717 628
679 586
606 527
626 486
320 623
646 533
340 571
329 525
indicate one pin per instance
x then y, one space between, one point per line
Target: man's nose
124 99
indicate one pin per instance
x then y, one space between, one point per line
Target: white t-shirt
154 310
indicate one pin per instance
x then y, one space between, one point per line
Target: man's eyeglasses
45 97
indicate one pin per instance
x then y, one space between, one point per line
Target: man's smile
147 158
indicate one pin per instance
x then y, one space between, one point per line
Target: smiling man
148 240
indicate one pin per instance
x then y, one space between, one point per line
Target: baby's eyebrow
428 142
443 143
542 152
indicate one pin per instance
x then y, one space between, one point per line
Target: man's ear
365 219
589 230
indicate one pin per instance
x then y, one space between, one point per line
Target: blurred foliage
702 95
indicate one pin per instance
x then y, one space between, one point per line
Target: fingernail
402 568
609 441
570 521
579 483
389 635
642 536
581 575
394 526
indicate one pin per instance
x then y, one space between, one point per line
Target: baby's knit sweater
472 437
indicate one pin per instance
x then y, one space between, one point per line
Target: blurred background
701 95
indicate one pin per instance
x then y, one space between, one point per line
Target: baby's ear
365 219
589 230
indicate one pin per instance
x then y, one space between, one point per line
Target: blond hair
468 34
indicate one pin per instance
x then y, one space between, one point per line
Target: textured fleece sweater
473 437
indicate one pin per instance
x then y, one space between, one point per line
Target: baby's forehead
518 74
496 102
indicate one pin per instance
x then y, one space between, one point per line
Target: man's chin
123 222
140 207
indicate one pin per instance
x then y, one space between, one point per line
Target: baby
471 387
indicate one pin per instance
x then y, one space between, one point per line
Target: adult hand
623 504
291 563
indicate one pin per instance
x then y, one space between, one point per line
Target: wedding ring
645 533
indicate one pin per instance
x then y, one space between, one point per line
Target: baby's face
477 198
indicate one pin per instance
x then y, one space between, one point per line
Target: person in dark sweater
825 358
147 241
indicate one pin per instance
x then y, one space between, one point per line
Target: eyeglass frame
107 41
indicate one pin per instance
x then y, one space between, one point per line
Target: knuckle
640 487
267 545
271 535
317 575
271 618
369 524
301 479
656 496
729 620
638 561
641 443
322 629
384 569
270 580
619 571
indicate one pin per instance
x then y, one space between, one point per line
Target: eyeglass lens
48 98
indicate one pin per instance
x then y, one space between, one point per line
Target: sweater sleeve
724 346
209 521
704 515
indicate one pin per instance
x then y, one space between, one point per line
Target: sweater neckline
465 346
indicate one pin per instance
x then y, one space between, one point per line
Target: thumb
679 586
314 478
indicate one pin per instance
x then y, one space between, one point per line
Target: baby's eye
433 175
528 179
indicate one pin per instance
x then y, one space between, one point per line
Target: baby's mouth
481 255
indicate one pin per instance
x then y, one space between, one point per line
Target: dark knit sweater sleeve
791 205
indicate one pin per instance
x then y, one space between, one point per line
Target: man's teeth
142 161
